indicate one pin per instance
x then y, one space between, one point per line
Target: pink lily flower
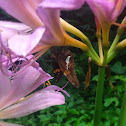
16 84
49 13
53 36
13 90
106 11
13 102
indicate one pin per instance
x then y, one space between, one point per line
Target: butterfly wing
66 64
56 69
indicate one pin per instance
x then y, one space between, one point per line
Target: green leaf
54 124
109 101
71 104
71 120
59 112
95 78
63 107
79 101
42 116
118 68
59 119
74 111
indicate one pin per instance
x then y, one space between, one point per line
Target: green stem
90 46
105 57
100 47
122 118
110 57
99 96
118 35
91 55
114 44
69 28
93 51
120 46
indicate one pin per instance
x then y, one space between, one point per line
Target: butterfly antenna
65 85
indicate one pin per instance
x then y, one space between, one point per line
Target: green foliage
109 101
118 68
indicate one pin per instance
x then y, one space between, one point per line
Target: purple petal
48 39
63 4
14 25
34 102
43 75
106 10
7 33
23 44
19 86
51 19
54 87
101 9
4 82
49 12
23 10
42 78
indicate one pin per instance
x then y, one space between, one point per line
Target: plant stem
91 55
122 117
70 28
100 48
99 95
105 57
120 46
114 44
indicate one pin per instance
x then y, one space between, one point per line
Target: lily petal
63 5
48 39
43 77
23 11
51 19
35 102
6 34
4 82
23 44
49 12
19 86
14 25
54 87
106 11
9 29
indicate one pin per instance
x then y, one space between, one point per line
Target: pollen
46 83
1 30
